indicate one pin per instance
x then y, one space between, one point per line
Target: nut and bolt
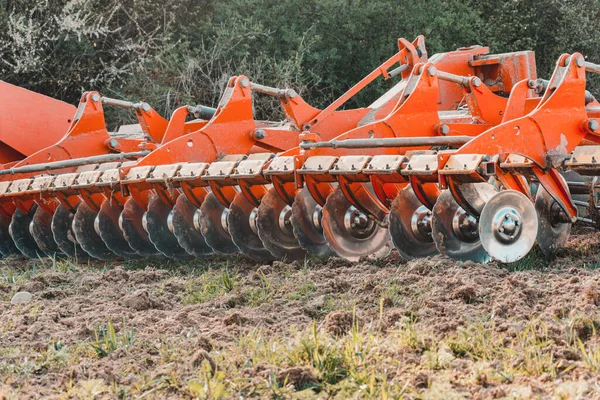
593 125
244 82
95 97
444 129
260 134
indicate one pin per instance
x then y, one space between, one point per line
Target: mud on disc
306 223
213 220
157 226
186 227
132 226
62 222
350 234
242 227
84 228
275 228
21 235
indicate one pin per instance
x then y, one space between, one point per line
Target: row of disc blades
277 231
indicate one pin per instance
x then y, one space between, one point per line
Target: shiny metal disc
21 235
456 233
350 234
7 245
306 223
157 226
86 234
275 228
41 231
110 232
508 226
243 230
186 227
213 221
132 226
62 222
410 226
554 227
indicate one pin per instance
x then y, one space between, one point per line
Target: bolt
113 143
260 134
146 107
444 129
292 93
244 82
95 97
476 82
579 61
593 125
432 71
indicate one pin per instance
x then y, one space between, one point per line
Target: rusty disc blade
7 245
62 222
157 226
242 227
186 228
275 228
456 233
306 223
213 220
132 226
350 234
21 235
410 226
85 232
110 232
41 230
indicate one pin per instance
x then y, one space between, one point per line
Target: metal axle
389 142
75 162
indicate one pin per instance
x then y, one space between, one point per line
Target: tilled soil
431 328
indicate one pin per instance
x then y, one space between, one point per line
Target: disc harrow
469 155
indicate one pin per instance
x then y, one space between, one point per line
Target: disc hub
421 224
196 220
358 224
170 224
506 225
224 223
145 221
317 216
285 222
97 225
465 226
252 218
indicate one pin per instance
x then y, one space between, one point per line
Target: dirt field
430 328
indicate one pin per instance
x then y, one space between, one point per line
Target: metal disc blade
306 223
454 232
62 222
508 226
347 237
110 232
41 231
86 235
242 216
187 229
213 220
410 226
19 231
7 245
157 226
274 225
553 231
131 223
